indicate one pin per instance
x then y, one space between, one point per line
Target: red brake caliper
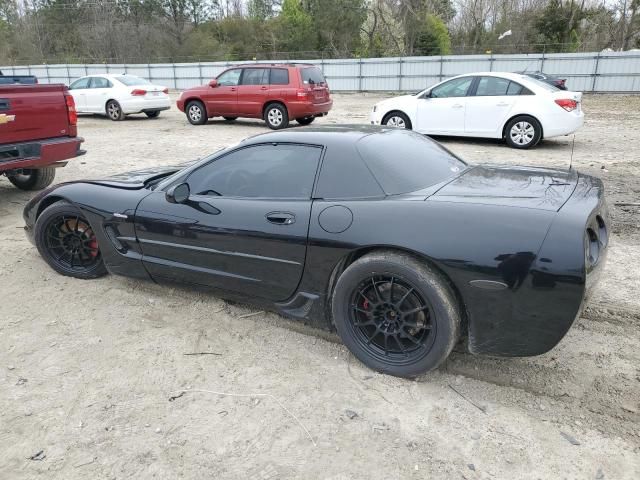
93 245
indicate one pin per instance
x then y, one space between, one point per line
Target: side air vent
603 234
592 247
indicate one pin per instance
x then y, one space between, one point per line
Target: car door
222 100
253 91
441 110
78 91
98 93
489 105
244 226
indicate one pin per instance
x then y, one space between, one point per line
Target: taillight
301 93
72 115
165 91
568 104
138 92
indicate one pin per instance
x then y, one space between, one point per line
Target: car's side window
255 76
492 87
230 78
453 88
80 84
99 82
260 171
279 76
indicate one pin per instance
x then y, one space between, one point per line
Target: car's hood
395 100
138 178
528 187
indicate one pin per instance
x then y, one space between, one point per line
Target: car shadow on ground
554 144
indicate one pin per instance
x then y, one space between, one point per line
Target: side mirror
178 193
213 83
427 94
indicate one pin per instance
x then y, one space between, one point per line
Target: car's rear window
279 76
131 80
312 75
404 162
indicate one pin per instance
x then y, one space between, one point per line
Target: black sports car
559 83
380 233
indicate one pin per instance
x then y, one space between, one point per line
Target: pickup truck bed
17 79
37 133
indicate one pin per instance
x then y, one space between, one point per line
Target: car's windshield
189 166
404 162
131 80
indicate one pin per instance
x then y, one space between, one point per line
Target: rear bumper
308 109
563 123
40 153
146 104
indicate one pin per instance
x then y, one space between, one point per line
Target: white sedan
510 106
119 95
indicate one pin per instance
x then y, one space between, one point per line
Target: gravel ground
87 368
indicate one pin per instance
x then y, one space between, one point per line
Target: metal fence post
175 78
595 73
440 74
400 75
46 66
491 62
86 70
68 75
542 62
360 74
200 73
149 71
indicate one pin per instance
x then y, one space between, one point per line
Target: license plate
155 94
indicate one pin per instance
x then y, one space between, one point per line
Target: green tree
433 38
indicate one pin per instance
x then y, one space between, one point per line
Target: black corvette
378 233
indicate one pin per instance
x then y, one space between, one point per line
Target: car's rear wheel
276 116
34 179
397 119
523 132
305 120
154 114
114 111
230 119
67 242
396 314
196 113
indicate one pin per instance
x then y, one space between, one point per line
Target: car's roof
267 65
110 75
507 75
325 135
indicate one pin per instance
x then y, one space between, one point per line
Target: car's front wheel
196 113
396 314
35 179
114 111
523 132
67 242
397 119
276 116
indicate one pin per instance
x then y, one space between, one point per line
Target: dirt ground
87 368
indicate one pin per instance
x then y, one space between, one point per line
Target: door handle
233 89
457 105
5 104
264 88
281 218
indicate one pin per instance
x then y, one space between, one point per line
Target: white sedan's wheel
523 132
397 120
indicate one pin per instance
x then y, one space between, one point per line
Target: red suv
276 93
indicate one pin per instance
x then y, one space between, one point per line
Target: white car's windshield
130 80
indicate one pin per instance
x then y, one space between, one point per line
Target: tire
523 132
276 116
402 284
114 111
196 113
230 119
35 179
154 114
397 119
67 242
305 120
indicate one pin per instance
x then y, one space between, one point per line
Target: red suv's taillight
568 104
302 93
165 91
72 115
138 92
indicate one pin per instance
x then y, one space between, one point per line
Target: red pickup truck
38 131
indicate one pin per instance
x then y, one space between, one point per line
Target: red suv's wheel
196 113
276 116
